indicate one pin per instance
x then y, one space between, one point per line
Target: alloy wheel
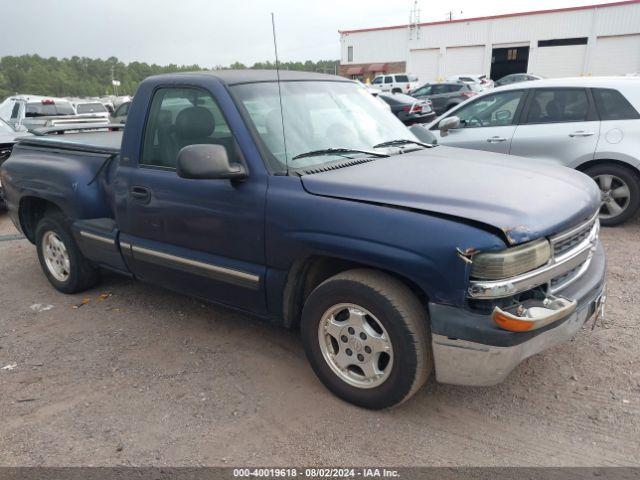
356 346
56 256
615 195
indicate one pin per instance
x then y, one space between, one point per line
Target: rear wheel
396 90
366 337
62 262
619 190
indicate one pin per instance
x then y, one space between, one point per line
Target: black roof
232 77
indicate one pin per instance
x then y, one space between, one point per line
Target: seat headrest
553 109
194 122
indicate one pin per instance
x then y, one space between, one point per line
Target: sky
215 32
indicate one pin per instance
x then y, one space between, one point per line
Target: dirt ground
148 377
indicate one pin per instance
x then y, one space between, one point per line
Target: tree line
91 77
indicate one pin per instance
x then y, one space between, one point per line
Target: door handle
143 194
581 133
496 139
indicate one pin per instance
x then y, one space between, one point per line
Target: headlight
512 261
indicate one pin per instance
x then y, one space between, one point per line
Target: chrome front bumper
461 362
468 348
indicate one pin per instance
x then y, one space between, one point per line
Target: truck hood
523 199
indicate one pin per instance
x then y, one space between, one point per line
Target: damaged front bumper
470 349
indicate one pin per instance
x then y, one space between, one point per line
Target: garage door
559 61
424 64
616 55
464 60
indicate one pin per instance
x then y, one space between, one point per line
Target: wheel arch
31 210
306 274
603 161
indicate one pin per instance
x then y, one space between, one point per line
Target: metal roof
590 82
492 17
232 77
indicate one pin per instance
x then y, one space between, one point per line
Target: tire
376 298
57 247
612 178
396 90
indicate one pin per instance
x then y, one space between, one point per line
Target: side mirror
423 134
447 124
206 161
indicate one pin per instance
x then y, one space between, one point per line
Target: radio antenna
275 48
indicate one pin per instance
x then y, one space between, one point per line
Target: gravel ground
148 377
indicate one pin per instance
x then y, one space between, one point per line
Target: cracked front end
520 301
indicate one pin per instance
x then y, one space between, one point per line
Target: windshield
91 108
318 115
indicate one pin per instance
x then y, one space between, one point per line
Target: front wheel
61 259
366 337
619 190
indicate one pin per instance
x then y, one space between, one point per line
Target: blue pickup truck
307 203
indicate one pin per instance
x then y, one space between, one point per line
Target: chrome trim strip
572 279
574 231
216 271
98 238
488 289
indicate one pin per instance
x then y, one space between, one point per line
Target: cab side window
180 117
377 80
388 79
122 110
15 111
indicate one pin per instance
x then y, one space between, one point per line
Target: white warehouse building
587 40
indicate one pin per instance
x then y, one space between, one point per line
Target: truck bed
90 142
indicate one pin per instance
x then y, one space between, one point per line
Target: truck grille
563 245
566 244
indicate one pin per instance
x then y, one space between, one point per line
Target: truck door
201 237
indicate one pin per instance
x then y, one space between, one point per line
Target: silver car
590 124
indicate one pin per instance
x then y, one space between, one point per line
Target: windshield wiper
338 151
401 141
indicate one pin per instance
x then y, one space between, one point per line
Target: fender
62 178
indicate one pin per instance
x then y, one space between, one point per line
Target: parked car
395 83
34 112
445 96
392 257
91 109
8 138
515 78
482 81
120 115
590 124
408 109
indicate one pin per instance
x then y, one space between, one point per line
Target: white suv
395 83
590 124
